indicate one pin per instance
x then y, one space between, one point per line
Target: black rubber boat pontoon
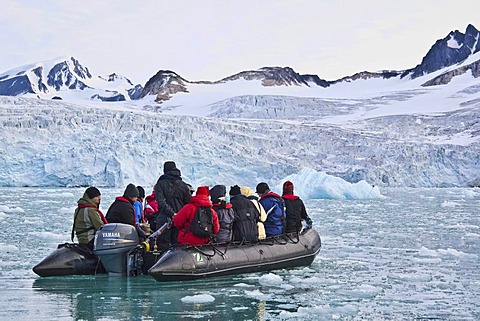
196 262
118 250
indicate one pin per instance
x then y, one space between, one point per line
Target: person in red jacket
151 209
184 217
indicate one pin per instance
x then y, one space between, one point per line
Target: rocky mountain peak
452 49
164 85
49 78
277 76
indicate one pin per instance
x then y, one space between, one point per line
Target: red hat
202 190
288 187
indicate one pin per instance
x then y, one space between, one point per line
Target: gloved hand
140 232
309 222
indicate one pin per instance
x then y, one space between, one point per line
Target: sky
211 40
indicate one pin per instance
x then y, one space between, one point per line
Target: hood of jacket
86 200
200 200
247 191
173 174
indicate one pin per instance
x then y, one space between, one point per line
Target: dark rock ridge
167 83
384 74
446 77
278 76
453 49
164 85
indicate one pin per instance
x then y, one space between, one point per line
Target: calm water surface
414 255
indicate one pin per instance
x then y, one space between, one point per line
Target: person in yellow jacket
248 192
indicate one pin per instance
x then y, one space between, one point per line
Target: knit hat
169 166
202 190
92 192
235 190
130 191
216 192
288 187
141 192
262 188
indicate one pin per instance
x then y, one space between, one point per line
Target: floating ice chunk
453 252
6 209
449 204
65 194
240 308
47 235
257 295
411 277
67 210
312 184
470 193
8 248
330 312
363 291
472 235
270 279
244 285
199 298
369 289
426 252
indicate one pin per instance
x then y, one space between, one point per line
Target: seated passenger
295 210
121 210
151 209
88 218
185 216
225 213
247 191
246 217
138 205
273 205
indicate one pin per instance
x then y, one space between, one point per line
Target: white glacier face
412 137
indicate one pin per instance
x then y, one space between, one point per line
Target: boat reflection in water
116 298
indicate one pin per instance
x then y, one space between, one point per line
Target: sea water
412 255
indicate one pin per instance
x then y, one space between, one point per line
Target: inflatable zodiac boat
118 250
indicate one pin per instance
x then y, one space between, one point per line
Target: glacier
345 141
247 139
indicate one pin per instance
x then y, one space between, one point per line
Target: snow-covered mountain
379 127
450 51
453 49
66 78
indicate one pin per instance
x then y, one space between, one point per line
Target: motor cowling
112 243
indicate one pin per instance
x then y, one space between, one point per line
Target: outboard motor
113 241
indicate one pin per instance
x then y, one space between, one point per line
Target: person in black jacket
295 210
225 213
246 216
121 210
171 194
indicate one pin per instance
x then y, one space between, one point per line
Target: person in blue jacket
138 206
275 208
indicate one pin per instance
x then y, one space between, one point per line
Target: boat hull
191 263
69 259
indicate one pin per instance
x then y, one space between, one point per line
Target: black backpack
202 223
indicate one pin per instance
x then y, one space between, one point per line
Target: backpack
226 216
202 223
245 225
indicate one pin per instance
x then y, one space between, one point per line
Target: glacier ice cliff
56 143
